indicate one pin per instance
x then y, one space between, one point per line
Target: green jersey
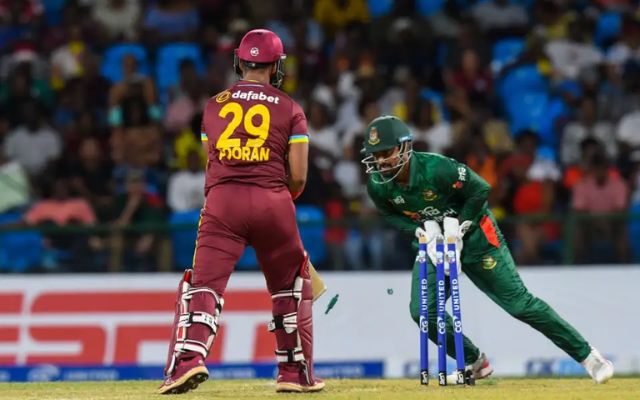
439 187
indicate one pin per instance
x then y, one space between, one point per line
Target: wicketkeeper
410 188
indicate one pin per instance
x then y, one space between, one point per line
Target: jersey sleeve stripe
203 137
299 138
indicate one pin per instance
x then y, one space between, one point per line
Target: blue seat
608 27
522 79
53 11
311 222
429 7
248 260
19 250
527 111
378 8
312 228
111 67
168 65
506 51
183 240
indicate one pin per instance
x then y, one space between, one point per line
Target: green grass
491 389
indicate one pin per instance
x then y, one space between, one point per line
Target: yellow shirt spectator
336 14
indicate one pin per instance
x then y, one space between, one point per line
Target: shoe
598 367
481 368
292 380
187 375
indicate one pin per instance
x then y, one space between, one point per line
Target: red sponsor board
105 325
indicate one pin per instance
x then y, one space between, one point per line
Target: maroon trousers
237 215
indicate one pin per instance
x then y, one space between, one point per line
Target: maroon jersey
249 128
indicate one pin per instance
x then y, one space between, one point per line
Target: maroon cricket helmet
259 48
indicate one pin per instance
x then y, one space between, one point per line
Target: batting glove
429 231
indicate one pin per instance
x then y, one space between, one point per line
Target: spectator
90 177
428 126
137 142
132 84
536 196
186 187
480 159
627 132
170 20
500 17
66 60
118 18
188 100
14 185
34 144
134 251
23 88
324 137
368 110
334 15
60 207
571 55
600 193
588 126
628 47
470 84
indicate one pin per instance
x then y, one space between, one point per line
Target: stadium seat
608 27
111 67
522 79
429 7
527 111
53 11
379 8
248 261
19 251
634 231
183 239
506 51
311 221
168 65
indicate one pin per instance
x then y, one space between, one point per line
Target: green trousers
495 274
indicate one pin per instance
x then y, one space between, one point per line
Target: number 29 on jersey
231 147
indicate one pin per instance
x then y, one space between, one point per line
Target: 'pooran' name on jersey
249 128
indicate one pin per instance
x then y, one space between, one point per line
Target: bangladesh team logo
488 262
429 195
373 136
222 97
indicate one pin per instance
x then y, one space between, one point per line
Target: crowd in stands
101 101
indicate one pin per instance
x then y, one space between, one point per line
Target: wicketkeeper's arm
390 215
464 182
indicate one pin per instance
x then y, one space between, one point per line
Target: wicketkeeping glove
430 230
454 229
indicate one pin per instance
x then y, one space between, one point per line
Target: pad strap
288 322
290 355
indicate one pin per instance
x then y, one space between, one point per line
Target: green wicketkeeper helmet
383 134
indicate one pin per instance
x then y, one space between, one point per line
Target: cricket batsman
412 190
257 144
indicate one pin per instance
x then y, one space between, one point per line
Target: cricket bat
318 286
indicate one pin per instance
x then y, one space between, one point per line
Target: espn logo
116 326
